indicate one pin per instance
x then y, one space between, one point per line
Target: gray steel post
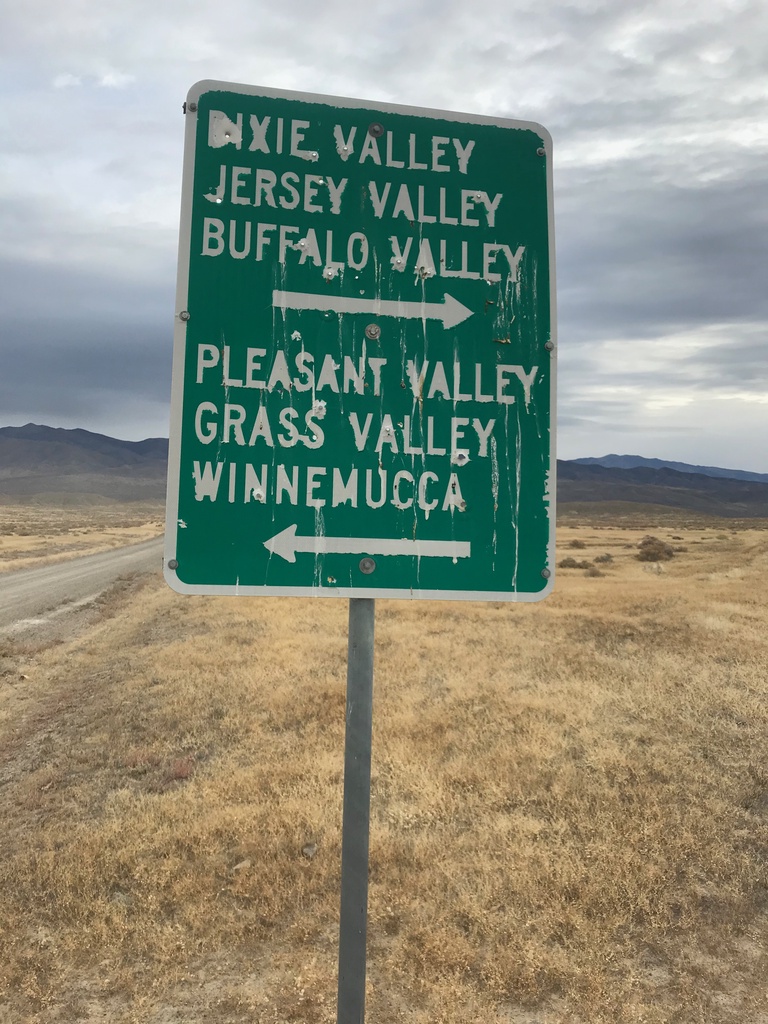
356 817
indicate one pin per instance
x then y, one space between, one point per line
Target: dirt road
37 593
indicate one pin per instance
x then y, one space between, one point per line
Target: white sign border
172 521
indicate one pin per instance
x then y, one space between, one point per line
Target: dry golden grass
33 535
569 811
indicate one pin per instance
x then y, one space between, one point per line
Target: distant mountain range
639 462
685 489
51 464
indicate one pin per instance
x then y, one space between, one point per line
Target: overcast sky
659 115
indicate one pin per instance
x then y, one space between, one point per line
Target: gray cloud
640 261
85 348
658 113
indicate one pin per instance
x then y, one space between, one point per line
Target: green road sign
363 361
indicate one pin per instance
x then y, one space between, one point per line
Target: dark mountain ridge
640 462
109 449
52 463
36 460
720 496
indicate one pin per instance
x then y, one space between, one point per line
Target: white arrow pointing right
450 311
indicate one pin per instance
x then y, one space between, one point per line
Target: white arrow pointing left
450 311
287 544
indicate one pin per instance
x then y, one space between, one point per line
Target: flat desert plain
35 535
569 807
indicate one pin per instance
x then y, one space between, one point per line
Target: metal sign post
356 815
363 377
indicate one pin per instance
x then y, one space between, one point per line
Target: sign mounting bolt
172 563
192 107
184 315
376 130
373 332
549 345
546 573
541 151
367 565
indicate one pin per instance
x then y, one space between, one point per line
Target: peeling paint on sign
364 369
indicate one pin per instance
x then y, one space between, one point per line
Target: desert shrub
571 563
594 571
679 547
580 544
604 559
652 549
676 536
